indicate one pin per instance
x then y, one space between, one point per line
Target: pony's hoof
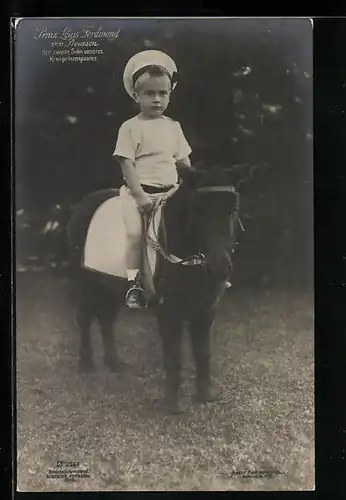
115 366
174 408
86 366
208 395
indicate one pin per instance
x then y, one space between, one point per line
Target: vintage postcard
164 254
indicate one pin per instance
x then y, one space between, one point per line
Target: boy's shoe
228 284
135 297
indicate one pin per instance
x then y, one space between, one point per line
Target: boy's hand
144 203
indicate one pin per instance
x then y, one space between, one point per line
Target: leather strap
155 189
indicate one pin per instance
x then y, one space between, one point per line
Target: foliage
244 99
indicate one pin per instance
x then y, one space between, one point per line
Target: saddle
106 241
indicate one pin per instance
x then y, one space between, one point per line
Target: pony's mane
179 210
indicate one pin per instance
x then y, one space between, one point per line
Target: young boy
149 148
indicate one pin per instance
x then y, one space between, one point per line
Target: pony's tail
55 235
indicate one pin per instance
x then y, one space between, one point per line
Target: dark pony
197 237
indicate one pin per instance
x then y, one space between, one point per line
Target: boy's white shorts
131 213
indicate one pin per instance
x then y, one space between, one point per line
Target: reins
192 260
197 259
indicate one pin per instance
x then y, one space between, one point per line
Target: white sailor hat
140 61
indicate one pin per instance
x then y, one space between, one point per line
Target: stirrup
139 299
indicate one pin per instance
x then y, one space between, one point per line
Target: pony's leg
200 326
171 330
106 316
84 317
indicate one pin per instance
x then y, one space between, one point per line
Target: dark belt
154 189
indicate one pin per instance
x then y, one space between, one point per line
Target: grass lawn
114 425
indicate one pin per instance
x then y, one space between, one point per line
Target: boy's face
153 95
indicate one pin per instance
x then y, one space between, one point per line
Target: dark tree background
244 100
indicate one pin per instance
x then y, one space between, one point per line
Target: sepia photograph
164 258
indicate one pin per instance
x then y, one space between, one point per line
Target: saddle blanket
105 245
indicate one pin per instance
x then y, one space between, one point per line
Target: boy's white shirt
154 146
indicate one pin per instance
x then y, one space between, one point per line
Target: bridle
197 259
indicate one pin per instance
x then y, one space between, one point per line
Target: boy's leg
132 219
133 224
